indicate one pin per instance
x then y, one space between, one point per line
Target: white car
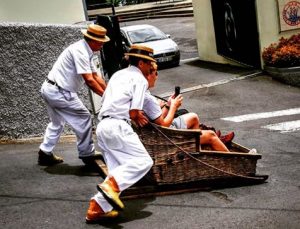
166 51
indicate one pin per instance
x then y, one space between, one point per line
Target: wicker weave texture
185 164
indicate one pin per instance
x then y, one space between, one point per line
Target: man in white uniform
73 67
126 158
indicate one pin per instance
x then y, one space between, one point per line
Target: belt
107 116
53 83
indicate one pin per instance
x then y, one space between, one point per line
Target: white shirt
151 106
125 91
72 62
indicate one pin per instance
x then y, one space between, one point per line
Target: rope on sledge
204 163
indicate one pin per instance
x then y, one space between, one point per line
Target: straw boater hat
141 51
96 32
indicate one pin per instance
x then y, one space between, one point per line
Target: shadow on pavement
77 170
134 211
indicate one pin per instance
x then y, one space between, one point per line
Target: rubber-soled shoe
252 151
111 196
227 138
45 159
95 213
90 160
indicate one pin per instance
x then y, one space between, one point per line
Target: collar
136 69
88 48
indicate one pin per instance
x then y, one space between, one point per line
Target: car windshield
145 35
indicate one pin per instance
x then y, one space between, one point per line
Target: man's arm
138 117
94 82
100 80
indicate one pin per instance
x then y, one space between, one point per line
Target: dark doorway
236 30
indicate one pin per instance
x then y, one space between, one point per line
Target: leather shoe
45 159
111 196
90 160
227 138
95 213
204 127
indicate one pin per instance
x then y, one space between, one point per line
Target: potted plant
282 60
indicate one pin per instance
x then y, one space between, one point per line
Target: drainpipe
85 10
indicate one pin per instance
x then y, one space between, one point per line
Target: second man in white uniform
126 158
73 68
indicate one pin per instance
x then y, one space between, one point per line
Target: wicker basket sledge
180 158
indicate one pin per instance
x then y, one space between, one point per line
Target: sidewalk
147 10
142 6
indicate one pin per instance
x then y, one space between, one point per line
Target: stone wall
27 53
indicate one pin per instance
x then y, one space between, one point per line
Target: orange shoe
111 193
95 213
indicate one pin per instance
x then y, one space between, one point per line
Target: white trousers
64 106
126 158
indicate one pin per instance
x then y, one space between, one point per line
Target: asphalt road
57 197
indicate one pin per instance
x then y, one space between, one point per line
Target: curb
36 140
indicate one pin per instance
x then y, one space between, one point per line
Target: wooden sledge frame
145 188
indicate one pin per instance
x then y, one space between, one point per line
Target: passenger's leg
209 137
192 120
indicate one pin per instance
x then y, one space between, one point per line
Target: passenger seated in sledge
192 120
165 117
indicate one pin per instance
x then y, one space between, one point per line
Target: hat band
95 35
142 52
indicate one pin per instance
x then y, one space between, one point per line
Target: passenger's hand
170 98
161 103
177 101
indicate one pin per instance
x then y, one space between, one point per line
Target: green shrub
285 53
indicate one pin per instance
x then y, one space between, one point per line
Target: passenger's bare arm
166 120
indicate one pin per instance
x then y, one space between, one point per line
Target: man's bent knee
148 163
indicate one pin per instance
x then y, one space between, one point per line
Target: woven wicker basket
173 165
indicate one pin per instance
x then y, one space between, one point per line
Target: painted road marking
213 84
248 117
284 127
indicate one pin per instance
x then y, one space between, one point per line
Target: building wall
28 52
42 11
205 32
268 23
268 26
